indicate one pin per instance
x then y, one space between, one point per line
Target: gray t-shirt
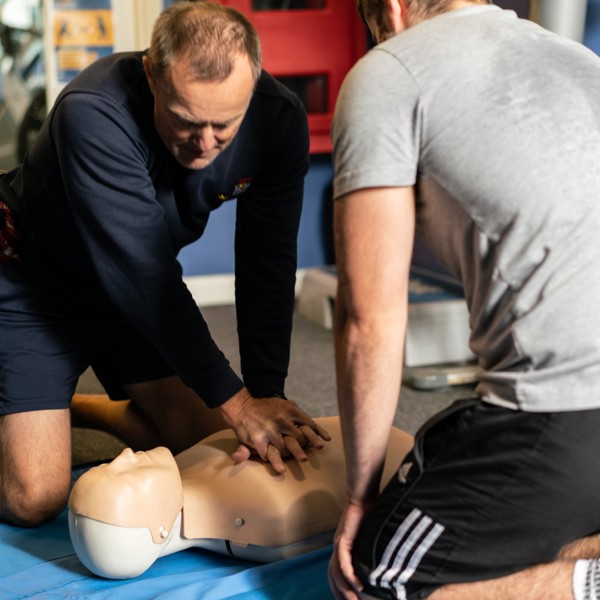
497 123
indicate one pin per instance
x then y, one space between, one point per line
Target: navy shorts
46 345
486 492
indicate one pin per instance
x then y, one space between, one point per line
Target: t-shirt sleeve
376 130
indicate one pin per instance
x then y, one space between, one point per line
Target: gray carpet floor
311 383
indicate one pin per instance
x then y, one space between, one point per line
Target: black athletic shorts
486 492
44 350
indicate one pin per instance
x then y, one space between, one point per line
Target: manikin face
130 464
118 492
197 120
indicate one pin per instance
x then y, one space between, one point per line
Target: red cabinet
309 45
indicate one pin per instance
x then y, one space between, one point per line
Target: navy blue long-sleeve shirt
105 209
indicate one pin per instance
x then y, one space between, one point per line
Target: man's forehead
184 68
198 101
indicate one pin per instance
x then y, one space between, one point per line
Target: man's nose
204 138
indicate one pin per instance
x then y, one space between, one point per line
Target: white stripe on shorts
404 552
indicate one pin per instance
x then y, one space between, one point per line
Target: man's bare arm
374 239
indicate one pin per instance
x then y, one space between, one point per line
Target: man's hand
342 580
274 428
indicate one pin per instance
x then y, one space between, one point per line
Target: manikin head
135 490
386 18
122 515
202 66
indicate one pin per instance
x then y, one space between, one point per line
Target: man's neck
457 4
452 6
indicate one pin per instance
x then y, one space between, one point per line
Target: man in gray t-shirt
481 132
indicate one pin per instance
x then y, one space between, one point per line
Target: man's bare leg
588 547
178 413
163 412
35 466
552 581
120 418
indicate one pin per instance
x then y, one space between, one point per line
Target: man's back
496 121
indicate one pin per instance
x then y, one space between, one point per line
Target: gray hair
210 34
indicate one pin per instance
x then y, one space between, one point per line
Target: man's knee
35 465
30 504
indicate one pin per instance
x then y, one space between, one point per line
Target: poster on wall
83 32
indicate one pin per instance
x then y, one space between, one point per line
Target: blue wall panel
213 253
592 26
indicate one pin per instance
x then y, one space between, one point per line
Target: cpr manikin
125 514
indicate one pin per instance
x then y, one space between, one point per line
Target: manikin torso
126 514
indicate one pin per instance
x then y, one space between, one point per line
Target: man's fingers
322 432
340 586
311 437
294 448
273 456
313 432
302 422
347 571
242 453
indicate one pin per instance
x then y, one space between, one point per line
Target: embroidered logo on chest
240 187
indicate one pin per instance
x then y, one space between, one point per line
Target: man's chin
195 163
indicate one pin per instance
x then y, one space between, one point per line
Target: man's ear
397 14
148 69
